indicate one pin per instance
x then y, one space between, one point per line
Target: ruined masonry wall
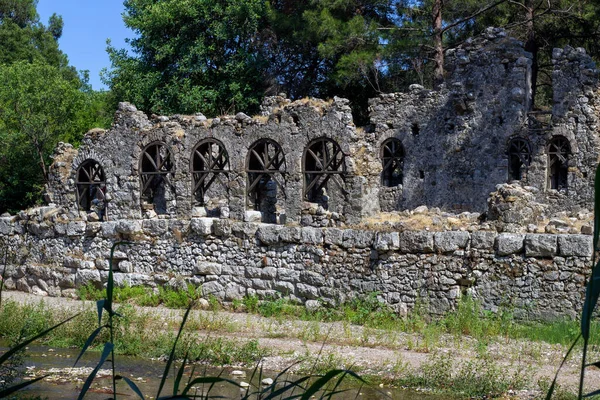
541 275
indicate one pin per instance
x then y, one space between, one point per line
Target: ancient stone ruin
286 203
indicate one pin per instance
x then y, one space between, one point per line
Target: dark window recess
156 172
392 159
559 151
422 174
91 187
415 129
210 165
265 167
519 159
323 162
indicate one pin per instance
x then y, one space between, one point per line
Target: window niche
156 173
392 159
210 167
519 159
559 151
323 163
91 188
265 169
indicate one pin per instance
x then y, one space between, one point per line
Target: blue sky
87 25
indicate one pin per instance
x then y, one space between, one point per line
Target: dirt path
374 352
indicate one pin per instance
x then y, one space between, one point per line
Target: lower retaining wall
540 275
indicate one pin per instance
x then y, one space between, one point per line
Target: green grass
136 333
142 295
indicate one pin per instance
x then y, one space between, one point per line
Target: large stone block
334 236
312 235
207 268
483 240
358 238
6 226
446 242
541 245
509 243
268 234
385 241
416 242
155 227
128 227
202 226
575 245
76 228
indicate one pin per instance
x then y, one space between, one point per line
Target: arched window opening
91 188
519 158
265 167
392 159
558 163
323 162
156 169
210 166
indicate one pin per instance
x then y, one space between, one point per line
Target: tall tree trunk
532 47
438 56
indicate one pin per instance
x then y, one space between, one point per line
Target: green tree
193 55
38 107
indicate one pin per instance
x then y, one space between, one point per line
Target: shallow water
147 374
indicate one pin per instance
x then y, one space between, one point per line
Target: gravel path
376 352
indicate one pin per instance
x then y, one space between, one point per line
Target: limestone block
60 229
234 292
222 228
207 268
76 228
416 242
312 235
358 238
312 278
307 291
269 273
483 240
128 227
385 241
541 245
575 245
42 230
334 236
245 230
284 287
6 226
253 216
92 228
126 266
290 234
286 274
268 234
509 243
155 227
202 226
450 241
85 276
109 229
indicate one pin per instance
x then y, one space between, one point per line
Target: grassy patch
143 296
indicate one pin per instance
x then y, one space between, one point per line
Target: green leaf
553 385
5 392
108 347
324 380
88 342
133 387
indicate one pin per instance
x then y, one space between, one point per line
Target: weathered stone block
85 276
155 227
42 230
268 234
358 238
385 241
269 273
290 234
307 291
253 216
109 229
222 228
6 226
128 227
416 242
483 240
207 268
541 245
312 278
202 226
446 242
76 228
509 243
334 236
575 245
312 235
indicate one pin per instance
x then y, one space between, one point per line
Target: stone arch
559 152
265 169
209 165
156 168
90 181
519 158
392 160
323 162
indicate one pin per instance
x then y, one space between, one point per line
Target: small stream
66 383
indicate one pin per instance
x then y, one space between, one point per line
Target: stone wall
540 275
